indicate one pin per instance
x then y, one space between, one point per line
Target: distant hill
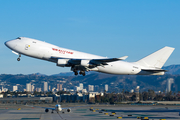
70 73
172 69
64 74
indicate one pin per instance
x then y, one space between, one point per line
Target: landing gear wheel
83 74
76 73
80 72
18 59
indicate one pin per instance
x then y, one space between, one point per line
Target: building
54 89
106 87
76 88
49 88
45 86
64 89
90 88
137 93
93 94
169 83
81 86
38 89
32 88
15 88
59 87
1 96
28 87
84 91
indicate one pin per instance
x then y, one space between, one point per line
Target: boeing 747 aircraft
81 62
57 108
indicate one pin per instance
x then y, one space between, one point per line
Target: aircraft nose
10 44
6 43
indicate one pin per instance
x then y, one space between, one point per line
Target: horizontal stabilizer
154 70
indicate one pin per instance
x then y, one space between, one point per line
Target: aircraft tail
156 59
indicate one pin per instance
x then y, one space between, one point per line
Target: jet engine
62 62
85 63
68 110
46 110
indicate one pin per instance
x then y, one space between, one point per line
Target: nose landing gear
18 59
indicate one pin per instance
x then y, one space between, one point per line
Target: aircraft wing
40 107
91 61
48 108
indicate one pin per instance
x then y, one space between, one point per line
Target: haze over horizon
105 28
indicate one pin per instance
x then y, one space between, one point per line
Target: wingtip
123 58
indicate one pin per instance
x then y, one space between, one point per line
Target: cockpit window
19 38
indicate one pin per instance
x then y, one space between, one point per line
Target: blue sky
103 27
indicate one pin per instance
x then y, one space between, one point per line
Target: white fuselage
58 108
45 51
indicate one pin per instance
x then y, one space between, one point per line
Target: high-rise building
45 86
59 87
15 88
90 88
106 87
137 93
169 83
80 86
32 88
28 87
49 88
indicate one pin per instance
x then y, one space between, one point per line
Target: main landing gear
78 70
80 73
18 59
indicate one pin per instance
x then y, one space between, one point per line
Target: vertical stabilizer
156 59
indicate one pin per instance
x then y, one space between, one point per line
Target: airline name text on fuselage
62 51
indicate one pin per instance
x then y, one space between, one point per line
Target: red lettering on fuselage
62 51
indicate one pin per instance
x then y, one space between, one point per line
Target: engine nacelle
62 62
68 110
46 110
85 63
